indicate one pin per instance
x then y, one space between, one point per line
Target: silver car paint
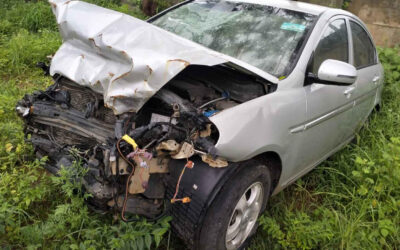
300 131
337 71
292 121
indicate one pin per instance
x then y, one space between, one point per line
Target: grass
351 201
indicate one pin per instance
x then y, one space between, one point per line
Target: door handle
349 91
376 80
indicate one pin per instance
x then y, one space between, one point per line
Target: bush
30 16
390 57
7 4
23 50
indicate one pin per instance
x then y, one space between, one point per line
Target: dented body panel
124 58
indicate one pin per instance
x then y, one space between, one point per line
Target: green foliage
302 230
7 4
28 32
24 49
133 8
351 201
346 4
391 59
31 16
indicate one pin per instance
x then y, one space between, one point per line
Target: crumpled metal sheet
124 58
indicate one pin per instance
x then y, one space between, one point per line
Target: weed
23 50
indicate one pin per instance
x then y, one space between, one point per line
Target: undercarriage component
170 145
156 187
140 205
140 180
217 162
185 152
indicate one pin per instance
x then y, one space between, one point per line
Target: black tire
214 228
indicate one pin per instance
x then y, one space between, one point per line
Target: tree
152 7
149 7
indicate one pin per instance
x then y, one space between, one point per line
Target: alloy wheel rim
244 216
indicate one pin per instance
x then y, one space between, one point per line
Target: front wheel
232 217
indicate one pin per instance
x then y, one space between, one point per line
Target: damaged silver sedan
203 111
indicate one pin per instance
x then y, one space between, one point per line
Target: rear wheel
232 218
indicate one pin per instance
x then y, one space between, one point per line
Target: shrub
23 50
31 16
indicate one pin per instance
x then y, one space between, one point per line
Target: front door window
334 44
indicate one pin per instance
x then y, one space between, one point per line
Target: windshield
266 37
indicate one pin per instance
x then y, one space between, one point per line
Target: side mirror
335 72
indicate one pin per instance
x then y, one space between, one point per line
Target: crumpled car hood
124 58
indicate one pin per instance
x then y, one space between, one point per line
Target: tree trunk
149 7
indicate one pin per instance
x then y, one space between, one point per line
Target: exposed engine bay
127 156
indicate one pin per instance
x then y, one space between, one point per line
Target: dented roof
124 58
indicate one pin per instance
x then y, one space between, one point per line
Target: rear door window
364 50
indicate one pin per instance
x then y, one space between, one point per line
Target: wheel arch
208 182
274 163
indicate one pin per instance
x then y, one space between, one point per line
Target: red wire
127 181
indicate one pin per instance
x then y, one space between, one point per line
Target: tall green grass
24 49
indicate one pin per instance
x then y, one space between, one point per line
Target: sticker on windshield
293 27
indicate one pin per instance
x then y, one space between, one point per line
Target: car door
368 70
329 107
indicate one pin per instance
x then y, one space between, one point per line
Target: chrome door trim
333 113
322 118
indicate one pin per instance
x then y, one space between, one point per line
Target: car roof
289 4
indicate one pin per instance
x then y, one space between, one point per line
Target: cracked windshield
268 38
